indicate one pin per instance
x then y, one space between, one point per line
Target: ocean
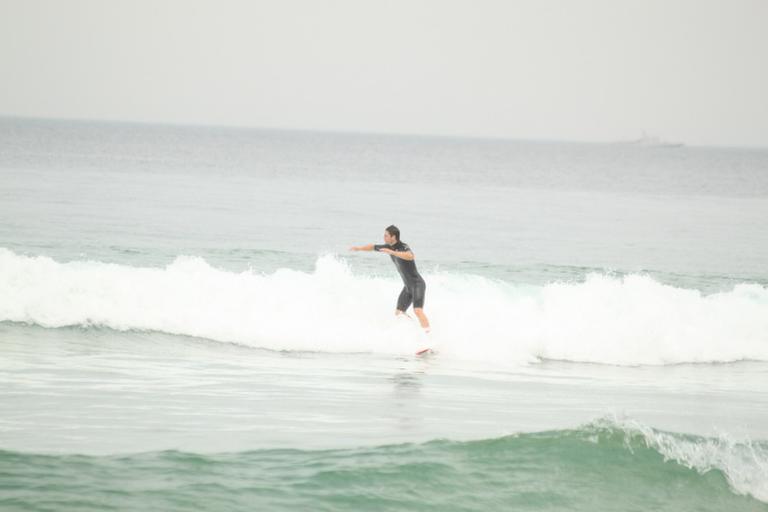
183 325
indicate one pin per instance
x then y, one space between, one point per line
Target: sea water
183 326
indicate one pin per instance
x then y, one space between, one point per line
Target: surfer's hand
354 248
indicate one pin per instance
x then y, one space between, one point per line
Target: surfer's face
389 239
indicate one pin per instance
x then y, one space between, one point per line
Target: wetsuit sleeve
377 248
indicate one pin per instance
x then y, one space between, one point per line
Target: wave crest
631 320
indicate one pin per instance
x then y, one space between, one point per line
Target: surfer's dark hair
392 230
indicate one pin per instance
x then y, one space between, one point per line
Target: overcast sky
686 71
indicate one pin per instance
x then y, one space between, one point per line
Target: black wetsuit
414 288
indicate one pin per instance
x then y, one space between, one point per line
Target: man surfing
402 256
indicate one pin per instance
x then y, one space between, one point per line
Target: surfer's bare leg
422 317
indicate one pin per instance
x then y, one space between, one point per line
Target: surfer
402 256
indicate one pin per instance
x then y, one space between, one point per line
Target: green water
594 468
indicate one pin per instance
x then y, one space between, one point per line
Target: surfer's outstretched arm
368 247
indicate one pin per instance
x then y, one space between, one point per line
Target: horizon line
637 141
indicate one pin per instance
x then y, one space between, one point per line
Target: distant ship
652 141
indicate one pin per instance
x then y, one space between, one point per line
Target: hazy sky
689 71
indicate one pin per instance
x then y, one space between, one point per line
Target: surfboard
424 350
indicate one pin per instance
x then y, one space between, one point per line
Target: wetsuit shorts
412 294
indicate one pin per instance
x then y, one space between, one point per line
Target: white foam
628 321
743 462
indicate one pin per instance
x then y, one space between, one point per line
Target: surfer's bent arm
405 255
368 247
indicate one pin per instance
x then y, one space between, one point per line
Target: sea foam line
630 320
743 462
